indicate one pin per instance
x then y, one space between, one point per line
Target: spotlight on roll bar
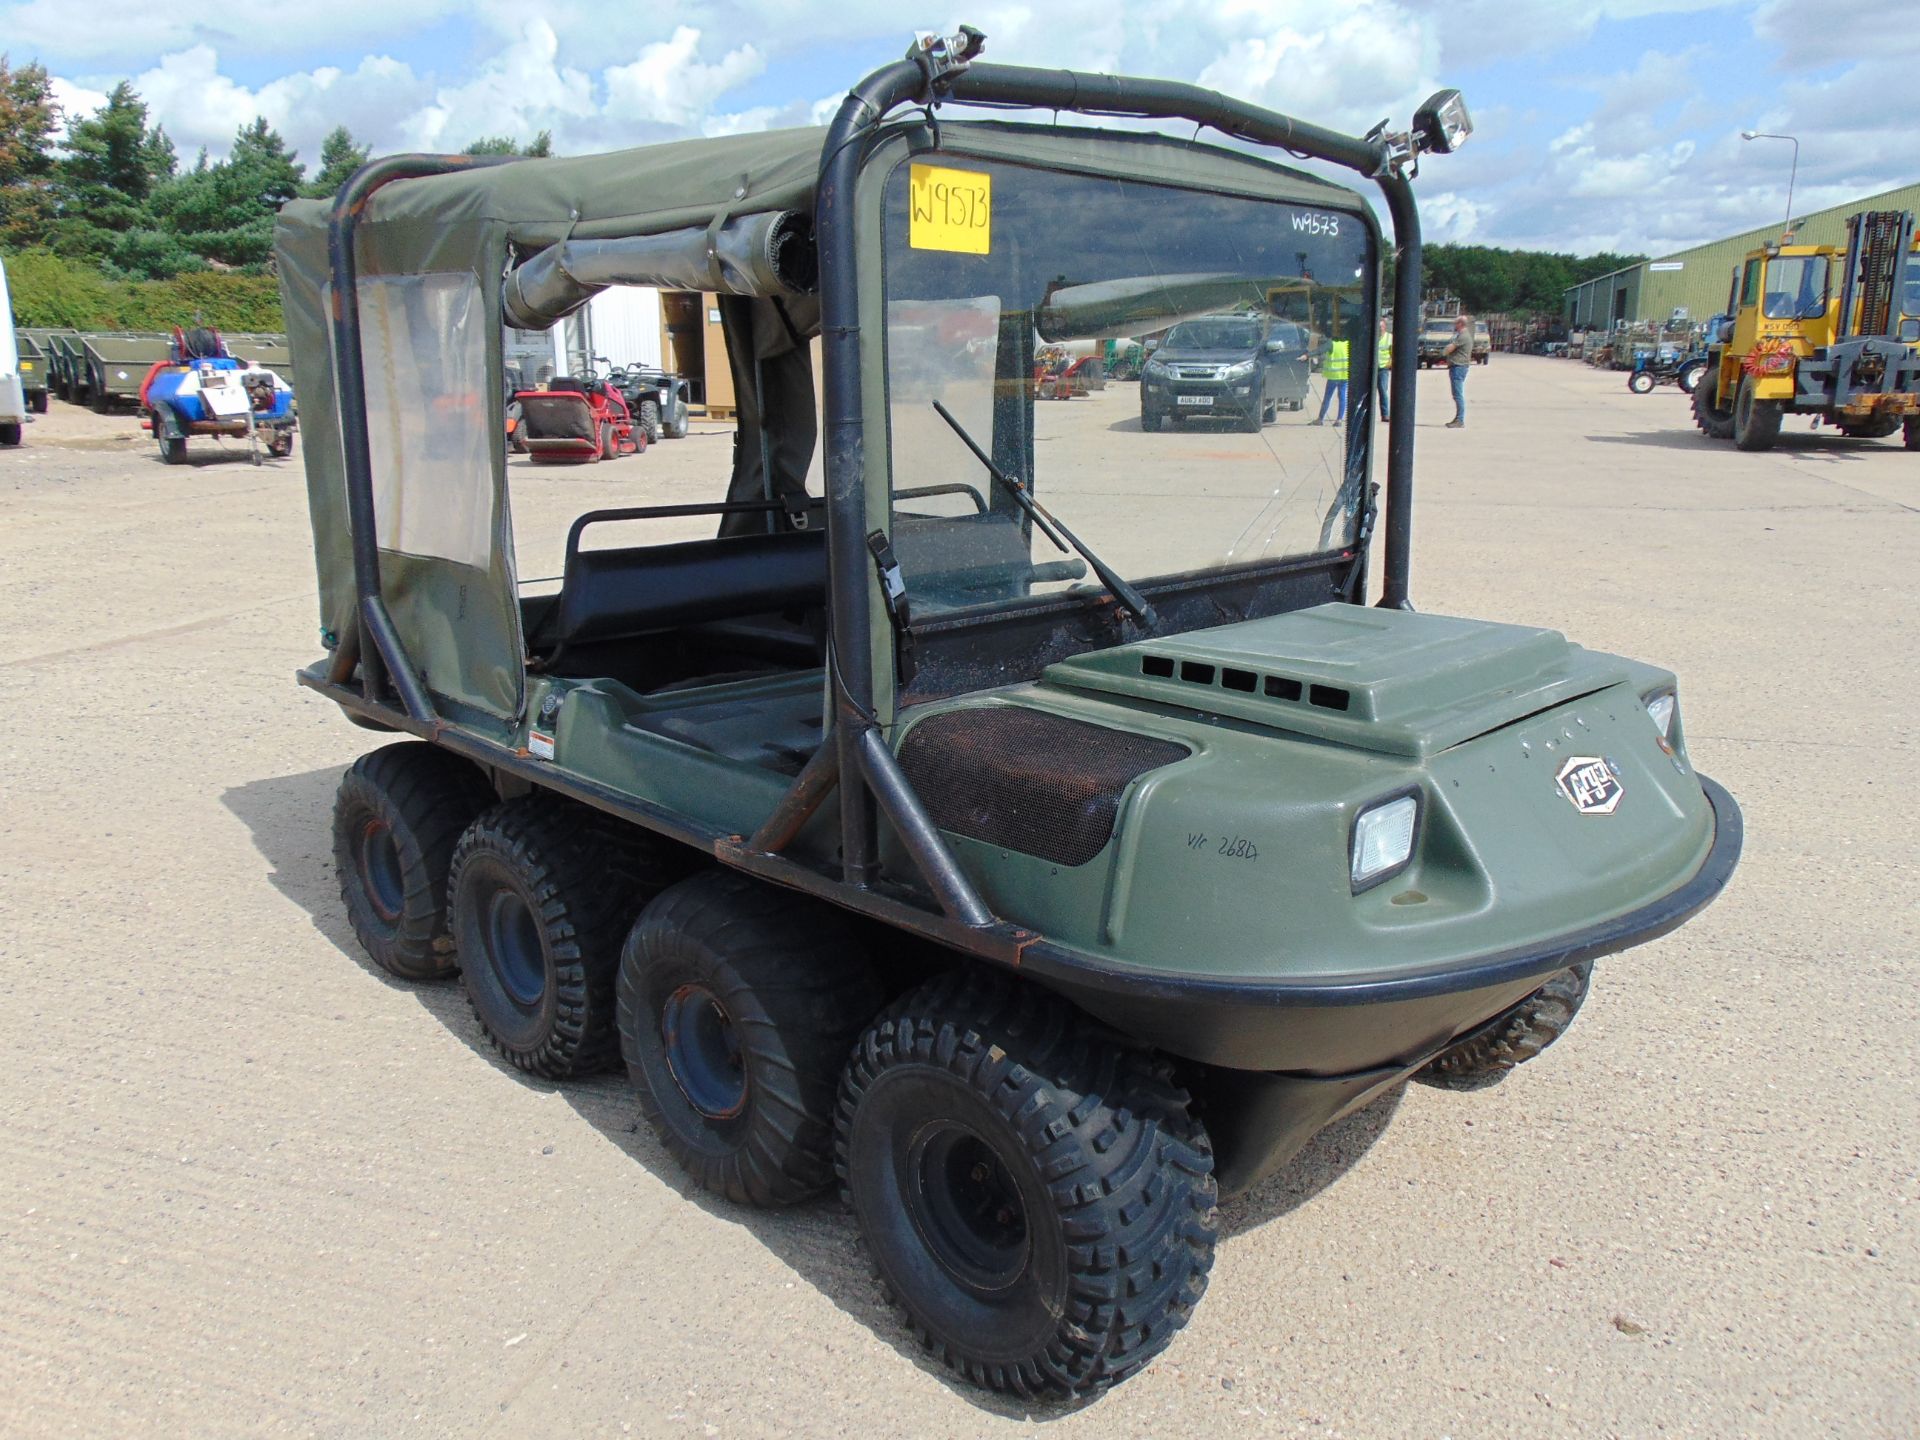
1442 125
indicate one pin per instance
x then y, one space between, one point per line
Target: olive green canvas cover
461 623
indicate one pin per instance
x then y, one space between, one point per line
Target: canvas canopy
437 260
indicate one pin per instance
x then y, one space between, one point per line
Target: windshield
1911 303
1797 287
1213 335
1036 307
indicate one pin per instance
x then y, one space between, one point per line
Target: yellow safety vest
1335 367
1386 350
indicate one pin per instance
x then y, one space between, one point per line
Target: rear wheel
648 419
541 893
1036 1194
1688 376
1912 436
38 402
738 1003
1513 1037
396 819
1756 422
10 433
1714 420
1640 382
674 425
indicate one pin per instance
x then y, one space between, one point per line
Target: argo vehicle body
1036 842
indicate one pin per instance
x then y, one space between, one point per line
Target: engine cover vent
1026 780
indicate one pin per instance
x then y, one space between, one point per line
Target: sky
1601 125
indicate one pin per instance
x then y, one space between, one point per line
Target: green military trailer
270 352
31 346
63 354
1030 829
116 366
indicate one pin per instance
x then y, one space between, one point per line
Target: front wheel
1149 421
10 433
1513 1037
1912 436
1714 419
1687 377
1756 422
647 420
1036 1194
1640 382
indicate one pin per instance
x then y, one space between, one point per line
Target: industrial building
1698 280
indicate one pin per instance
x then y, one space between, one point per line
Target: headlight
1156 366
1238 372
1660 708
1383 840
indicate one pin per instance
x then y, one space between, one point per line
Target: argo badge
1591 783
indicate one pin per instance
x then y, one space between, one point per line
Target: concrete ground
249 1185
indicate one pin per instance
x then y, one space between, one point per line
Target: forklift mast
1878 242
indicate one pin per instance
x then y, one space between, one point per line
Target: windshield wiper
1059 534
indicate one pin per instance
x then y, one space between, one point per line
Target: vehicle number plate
1193 399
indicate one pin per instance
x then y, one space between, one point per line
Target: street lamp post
1793 174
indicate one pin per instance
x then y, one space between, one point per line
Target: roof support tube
1402 387
385 653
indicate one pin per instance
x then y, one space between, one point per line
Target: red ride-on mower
575 421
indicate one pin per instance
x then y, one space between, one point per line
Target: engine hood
1388 681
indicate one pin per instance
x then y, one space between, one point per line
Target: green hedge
51 291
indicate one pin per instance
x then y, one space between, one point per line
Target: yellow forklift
1820 331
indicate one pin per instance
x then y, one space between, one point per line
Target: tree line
1489 280
94 207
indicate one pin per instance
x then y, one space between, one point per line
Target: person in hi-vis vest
1333 369
1383 369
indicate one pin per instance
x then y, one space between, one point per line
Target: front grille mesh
1026 780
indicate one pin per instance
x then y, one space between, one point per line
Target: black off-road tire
1036 1193
1911 437
541 893
10 433
396 819
676 429
1756 423
647 418
1150 422
738 1005
1714 420
1513 1037
37 402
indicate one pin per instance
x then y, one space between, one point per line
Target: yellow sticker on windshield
950 210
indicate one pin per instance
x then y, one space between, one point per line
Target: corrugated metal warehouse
1698 280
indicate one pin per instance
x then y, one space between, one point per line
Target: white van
13 399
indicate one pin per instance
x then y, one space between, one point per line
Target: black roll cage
854 757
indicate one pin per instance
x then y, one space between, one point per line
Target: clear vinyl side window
424 343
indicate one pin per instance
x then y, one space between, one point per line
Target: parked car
1225 367
1482 343
1435 336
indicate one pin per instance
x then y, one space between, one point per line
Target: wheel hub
380 870
703 1052
513 947
967 1207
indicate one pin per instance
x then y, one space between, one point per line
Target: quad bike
576 421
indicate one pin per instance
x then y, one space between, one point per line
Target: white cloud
669 85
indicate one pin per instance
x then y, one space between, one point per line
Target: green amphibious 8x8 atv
1030 830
